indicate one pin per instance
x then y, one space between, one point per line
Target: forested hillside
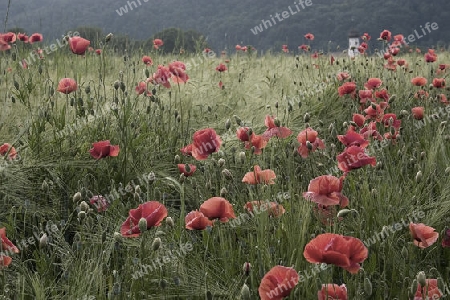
227 23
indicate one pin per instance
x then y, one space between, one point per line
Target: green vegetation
86 258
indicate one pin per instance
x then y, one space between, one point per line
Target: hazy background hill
227 23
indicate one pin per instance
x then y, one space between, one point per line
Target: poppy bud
242 157
151 177
156 242
43 241
343 212
422 278
142 225
84 206
221 162
419 176
227 124
245 292
392 98
442 125
404 252
345 124
374 192
117 236
44 186
182 178
81 215
247 268
306 118
223 192
163 283
187 168
137 189
169 222
414 286
367 286
227 174
276 104
116 85
77 197
122 86
108 37
238 120
277 122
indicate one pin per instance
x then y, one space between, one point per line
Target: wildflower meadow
294 174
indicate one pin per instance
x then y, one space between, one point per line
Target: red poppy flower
257 143
348 88
278 283
309 142
446 240
141 88
443 99
343 251
391 65
421 94
147 60
304 47
4 45
342 76
439 82
424 236
394 50
187 150
6 148
6 244
205 142
274 130
370 130
354 157
419 81
9 37
35 37
178 69
242 134
390 120
382 94
182 168
386 35
98 51
218 208
100 202
195 220
331 291
238 47
157 43
359 119
309 36
22 37
430 56
221 68
376 111
4 261
259 176
78 45
153 211
103 149
373 83
431 290
365 95
67 85
162 76
274 209
365 37
352 138
417 112
402 62
326 190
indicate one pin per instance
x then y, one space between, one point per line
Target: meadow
65 203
